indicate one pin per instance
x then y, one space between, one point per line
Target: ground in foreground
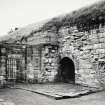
23 97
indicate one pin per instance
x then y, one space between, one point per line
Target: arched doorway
66 70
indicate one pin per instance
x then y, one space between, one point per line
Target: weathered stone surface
8 103
85 48
90 50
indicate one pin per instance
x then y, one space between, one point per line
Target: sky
19 13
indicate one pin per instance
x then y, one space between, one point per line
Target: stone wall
2 65
42 63
87 50
49 63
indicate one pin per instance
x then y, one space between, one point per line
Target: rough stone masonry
69 48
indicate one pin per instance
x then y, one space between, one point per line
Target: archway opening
66 70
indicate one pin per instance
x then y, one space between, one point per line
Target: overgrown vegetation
85 18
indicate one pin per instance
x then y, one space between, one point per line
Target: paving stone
59 91
1 100
8 103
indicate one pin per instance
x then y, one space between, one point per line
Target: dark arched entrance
66 70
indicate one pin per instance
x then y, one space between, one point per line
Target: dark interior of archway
66 70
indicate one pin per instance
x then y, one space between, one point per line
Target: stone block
85 65
101 35
7 103
92 83
51 78
102 40
103 45
92 36
93 72
94 41
97 46
52 64
87 47
99 51
85 43
85 56
101 56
